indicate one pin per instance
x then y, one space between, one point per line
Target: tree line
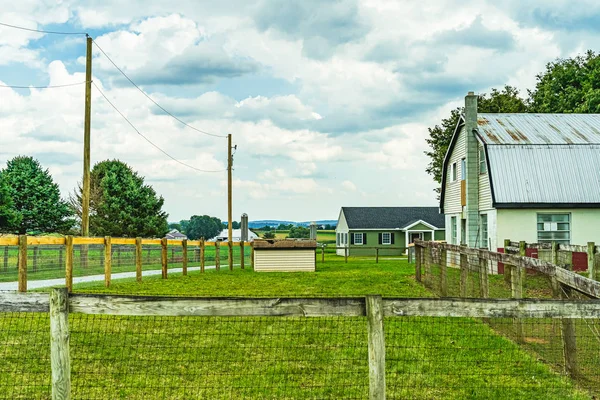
569 85
121 203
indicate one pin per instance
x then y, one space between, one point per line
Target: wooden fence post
230 254
252 254
377 255
428 254
107 260
554 259
322 253
185 257
464 273
164 256
218 256
5 258
591 258
507 268
35 258
138 259
376 347
22 263
483 276
202 257
418 250
569 337
444 272
60 358
242 254
69 263
516 287
346 255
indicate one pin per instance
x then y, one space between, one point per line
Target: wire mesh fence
9 270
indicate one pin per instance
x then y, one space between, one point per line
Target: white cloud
349 186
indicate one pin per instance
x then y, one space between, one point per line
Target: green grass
322 236
221 358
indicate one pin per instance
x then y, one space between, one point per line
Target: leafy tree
265 228
570 85
285 227
36 203
507 101
269 235
203 227
299 232
121 204
235 225
9 217
175 225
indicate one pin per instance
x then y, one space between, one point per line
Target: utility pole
85 196
229 202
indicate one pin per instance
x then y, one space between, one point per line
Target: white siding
485 192
284 260
342 227
452 192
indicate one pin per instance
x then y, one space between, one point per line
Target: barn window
482 164
453 172
554 228
463 169
358 238
453 230
483 219
386 238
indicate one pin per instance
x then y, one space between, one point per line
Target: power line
42 31
151 99
148 140
43 87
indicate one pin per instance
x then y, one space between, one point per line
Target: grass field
231 358
322 236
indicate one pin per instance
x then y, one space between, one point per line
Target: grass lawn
272 357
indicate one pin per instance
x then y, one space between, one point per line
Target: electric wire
148 140
42 31
151 99
42 87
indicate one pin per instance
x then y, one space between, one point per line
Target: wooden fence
59 303
24 241
376 251
563 281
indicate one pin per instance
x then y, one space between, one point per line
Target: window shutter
392 235
380 237
364 237
352 238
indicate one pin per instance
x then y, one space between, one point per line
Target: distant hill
276 223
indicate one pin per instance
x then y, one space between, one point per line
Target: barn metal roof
568 174
539 128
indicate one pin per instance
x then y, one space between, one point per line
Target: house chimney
244 227
472 172
313 230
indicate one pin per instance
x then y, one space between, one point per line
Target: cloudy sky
328 102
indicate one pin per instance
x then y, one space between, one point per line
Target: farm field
266 357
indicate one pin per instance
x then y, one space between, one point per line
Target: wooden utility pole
229 202
85 196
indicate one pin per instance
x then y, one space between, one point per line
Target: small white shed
284 255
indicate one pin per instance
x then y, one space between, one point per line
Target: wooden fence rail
110 245
59 303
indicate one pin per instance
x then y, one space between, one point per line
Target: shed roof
545 174
539 128
391 217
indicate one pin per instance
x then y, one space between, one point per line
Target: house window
345 238
554 228
483 229
337 239
463 169
386 238
482 164
358 238
454 230
453 172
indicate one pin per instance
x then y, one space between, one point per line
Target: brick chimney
472 175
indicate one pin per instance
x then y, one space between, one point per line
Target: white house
531 177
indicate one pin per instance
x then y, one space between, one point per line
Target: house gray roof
391 217
175 234
545 174
539 128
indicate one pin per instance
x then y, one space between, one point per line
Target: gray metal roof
539 128
391 217
545 174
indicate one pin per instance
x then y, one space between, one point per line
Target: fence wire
24 356
9 267
218 357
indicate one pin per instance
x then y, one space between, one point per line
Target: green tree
9 217
299 232
175 225
507 100
35 198
121 204
235 225
269 235
570 85
203 227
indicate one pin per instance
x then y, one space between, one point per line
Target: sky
328 102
